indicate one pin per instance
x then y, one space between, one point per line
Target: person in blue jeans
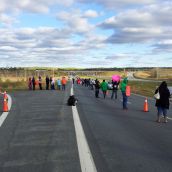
59 84
123 91
114 89
163 103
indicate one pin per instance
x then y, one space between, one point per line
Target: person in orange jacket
64 81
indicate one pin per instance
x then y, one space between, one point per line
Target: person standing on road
40 82
104 87
163 103
59 84
52 84
64 81
123 91
115 85
33 83
97 87
47 80
30 83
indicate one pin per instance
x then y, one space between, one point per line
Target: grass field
156 73
11 82
143 88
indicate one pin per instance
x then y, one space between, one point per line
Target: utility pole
53 72
25 74
157 73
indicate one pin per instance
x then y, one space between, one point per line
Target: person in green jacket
123 91
104 88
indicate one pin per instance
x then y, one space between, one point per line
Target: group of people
115 86
50 83
162 103
97 85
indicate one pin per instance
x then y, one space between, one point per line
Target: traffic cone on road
146 106
5 103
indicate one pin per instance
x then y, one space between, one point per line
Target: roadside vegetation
145 88
10 85
155 74
17 78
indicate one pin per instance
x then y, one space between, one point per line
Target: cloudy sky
86 33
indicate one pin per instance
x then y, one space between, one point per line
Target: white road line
71 91
85 156
5 114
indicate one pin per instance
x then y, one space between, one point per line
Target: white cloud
7 48
163 46
76 20
44 5
115 4
77 37
37 6
119 56
90 13
46 44
7 20
149 24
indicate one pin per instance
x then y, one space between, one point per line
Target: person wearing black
47 80
33 83
97 87
114 89
72 100
162 103
40 82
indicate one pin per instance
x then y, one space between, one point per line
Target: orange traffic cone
5 104
146 106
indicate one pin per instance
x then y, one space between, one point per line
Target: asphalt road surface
38 135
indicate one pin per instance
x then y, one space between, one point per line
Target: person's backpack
115 85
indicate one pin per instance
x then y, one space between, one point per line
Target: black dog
72 101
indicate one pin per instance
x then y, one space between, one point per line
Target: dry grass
143 74
10 83
12 79
157 73
110 73
145 88
19 83
107 75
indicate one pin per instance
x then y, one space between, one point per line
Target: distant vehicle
170 89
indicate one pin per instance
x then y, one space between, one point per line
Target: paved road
125 141
38 134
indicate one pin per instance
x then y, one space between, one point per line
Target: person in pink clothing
30 83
